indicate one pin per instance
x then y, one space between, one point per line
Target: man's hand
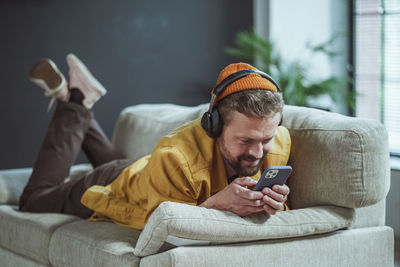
243 201
237 198
275 198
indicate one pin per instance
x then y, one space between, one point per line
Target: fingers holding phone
269 193
274 175
272 185
277 192
275 198
236 197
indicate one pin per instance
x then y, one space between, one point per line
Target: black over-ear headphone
211 121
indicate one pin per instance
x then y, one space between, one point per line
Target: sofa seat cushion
85 243
369 247
11 259
29 234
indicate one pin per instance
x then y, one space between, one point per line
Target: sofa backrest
336 160
139 128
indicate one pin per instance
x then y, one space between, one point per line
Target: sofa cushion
369 247
29 233
139 128
10 259
84 243
336 160
176 222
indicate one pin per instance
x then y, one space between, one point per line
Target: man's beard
234 163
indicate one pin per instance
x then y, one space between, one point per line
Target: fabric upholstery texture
29 234
336 160
362 247
84 243
186 221
10 259
12 183
369 216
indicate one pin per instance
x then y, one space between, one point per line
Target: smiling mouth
252 162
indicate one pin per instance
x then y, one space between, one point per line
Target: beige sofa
338 187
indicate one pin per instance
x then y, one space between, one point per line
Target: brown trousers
72 127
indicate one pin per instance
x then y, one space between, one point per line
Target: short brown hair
253 103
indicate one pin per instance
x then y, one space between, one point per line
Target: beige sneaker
80 77
46 75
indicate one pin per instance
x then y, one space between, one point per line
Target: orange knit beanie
252 81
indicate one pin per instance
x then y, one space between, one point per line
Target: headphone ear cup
217 123
206 123
212 123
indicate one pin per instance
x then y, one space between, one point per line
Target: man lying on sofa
212 162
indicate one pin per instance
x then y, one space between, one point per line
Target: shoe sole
45 70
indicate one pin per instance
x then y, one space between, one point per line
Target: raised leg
46 190
73 126
97 147
58 152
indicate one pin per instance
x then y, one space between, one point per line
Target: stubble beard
234 163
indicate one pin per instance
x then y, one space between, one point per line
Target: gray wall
393 203
142 51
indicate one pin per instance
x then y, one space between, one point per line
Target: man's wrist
213 203
209 204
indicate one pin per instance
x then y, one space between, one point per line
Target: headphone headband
219 88
211 122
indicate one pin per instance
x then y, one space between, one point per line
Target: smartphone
273 175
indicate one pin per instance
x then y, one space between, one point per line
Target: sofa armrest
336 160
13 181
181 222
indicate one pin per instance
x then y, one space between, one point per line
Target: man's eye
245 141
266 141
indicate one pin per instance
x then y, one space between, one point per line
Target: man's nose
256 150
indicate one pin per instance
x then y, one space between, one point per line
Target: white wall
294 24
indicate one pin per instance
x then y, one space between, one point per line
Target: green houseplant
297 86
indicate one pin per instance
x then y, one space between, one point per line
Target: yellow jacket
186 166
